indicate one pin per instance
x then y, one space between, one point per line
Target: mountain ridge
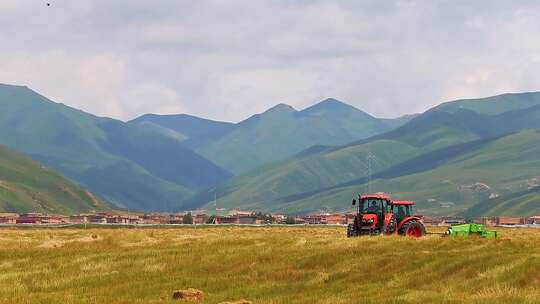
282 131
76 143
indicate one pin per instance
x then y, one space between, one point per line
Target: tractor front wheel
413 229
391 227
351 231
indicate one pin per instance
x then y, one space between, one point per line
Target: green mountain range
428 159
128 165
28 186
276 134
468 157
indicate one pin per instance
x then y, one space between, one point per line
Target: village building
300 220
432 221
336 219
244 218
176 218
534 220
508 220
117 219
200 218
154 219
450 220
279 218
8 218
29 218
79 219
224 220
97 218
316 219
488 221
54 219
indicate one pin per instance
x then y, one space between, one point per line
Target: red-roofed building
336 219
8 218
534 220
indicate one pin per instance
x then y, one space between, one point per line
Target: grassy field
264 265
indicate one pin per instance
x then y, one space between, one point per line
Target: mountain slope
27 186
128 165
194 130
306 173
283 131
523 203
492 105
394 123
430 138
499 166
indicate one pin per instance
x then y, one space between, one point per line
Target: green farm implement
466 230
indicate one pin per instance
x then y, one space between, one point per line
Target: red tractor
379 213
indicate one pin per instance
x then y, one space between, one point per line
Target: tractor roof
403 203
383 196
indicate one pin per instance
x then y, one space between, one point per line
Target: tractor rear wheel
413 229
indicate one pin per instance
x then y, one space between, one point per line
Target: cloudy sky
228 59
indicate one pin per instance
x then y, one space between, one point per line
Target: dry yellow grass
265 265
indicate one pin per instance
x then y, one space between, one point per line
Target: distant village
232 218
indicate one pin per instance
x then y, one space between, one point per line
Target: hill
445 185
423 144
522 203
128 165
28 186
492 105
276 134
193 130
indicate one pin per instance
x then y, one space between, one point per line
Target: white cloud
102 73
164 99
228 59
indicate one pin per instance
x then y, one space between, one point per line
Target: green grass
28 186
265 265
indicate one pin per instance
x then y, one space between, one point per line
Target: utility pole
370 158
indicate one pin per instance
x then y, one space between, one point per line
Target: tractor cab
403 209
380 214
371 211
